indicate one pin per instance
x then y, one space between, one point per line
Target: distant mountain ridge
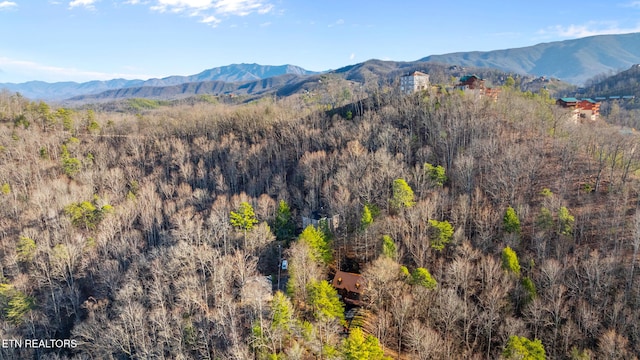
358 76
574 61
229 73
62 90
215 87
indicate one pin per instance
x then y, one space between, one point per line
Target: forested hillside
483 229
574 61
623 86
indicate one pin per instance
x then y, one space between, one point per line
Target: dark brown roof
349 281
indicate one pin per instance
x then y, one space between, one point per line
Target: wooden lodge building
477 84
350 287
580 109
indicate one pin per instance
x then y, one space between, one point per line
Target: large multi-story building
585 108
416 81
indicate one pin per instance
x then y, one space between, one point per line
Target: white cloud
209 11
242 7
220 7
352 56
182 5
633 4
590 29
265 24
7 5
210 20
86 3
34 70
339 22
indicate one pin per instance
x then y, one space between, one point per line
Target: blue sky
81 40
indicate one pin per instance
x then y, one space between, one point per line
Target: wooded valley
484 229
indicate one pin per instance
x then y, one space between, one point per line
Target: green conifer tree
283 223
422 277
435 173
565 222
402 195
521 348
440 234
510 261
389 248
317 241
511 222
324 300
360 347
244 219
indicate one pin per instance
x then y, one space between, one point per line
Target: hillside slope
623 84
191 88
574 61
121 231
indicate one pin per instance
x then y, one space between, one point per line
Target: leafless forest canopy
129 231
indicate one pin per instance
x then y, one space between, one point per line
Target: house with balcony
580 109
589 109
471 82
474 83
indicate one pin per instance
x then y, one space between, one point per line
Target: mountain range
572 61
229 74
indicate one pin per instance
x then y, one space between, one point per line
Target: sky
83 40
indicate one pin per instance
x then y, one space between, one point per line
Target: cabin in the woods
476 84
350 287
332 222
471 82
